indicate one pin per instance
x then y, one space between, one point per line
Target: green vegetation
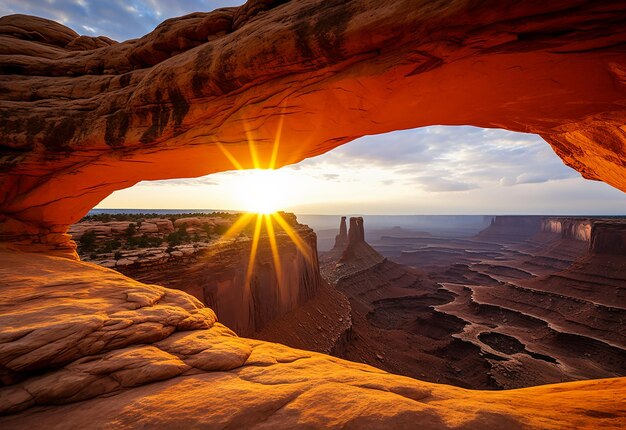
87 242
179 236
132 238
143 242
144 216
131 230
110 245
212 230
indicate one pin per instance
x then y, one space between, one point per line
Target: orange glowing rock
81 117
82 346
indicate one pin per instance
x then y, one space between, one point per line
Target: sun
262 191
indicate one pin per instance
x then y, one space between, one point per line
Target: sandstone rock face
153 357
512 227
356 238
82 117
49 330
341 240
216 274
577 229
605 236
608 238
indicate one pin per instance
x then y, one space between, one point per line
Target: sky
432 170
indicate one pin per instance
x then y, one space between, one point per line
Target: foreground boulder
82 346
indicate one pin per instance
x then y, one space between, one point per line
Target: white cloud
117 19
434 170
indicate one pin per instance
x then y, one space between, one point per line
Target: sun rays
262 196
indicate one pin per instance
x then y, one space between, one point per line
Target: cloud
118 19
463 157
440 184
534 178
331 176
204 180
439 159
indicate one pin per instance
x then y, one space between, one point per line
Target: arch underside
81 120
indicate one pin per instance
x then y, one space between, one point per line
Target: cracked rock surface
85 347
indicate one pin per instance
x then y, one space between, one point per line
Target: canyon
273 82
529 300
526 301
213 267
148 344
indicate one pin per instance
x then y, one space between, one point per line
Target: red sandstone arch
81 117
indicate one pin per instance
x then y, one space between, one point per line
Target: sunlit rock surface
246 289
81 117
217 274
85 347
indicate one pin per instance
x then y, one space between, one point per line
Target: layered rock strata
512 307
569 228
356 238
532 308
605 235
245 302
155 357
608 238
246 289
82 117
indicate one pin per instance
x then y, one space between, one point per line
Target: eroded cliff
512 307
247 282
606 236
244 302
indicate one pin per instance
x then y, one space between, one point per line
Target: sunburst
263 199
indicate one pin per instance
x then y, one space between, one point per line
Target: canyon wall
604 235
511 227
217 276
569 228
608 238
82 117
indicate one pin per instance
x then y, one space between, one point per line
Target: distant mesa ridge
605 235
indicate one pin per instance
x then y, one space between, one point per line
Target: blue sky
117 19
434 170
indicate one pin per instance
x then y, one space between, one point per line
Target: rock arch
81 117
